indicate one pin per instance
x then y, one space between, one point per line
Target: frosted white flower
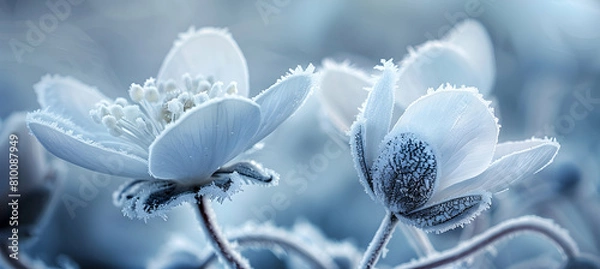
437 167
181 127
464 56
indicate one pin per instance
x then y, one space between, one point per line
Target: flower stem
419 240
501 231
379 241
219 242
272 241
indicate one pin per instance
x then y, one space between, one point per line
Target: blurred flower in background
545 81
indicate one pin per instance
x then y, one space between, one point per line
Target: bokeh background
547 62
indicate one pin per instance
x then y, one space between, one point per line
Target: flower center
404 173
156 104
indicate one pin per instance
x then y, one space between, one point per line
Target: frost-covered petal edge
61 137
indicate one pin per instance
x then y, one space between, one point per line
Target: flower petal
471 37
449 214
529 157
204 139
377 111
207 52
460 127
358 154
63 139
69 98
340 79
464 57
281 100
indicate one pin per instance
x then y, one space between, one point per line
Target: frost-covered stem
419 240
379 241
17 264
219 242
272 241
501 231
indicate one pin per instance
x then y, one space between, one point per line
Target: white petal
342 92
282 99
506 148
464 57
377 111
207 52
203 139
69 98
471 37
61 138
531 156
460 127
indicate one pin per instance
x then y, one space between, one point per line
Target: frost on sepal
449 214
250 172
144 199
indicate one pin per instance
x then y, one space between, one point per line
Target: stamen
136 92
155 104
216 90
232 88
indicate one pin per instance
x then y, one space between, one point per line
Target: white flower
437 167
464 56
182 127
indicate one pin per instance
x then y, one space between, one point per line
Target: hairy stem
501 231
219 242
418 240
271 241
379 241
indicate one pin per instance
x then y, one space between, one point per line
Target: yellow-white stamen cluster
156 104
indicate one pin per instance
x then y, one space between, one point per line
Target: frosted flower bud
404 174
136 92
